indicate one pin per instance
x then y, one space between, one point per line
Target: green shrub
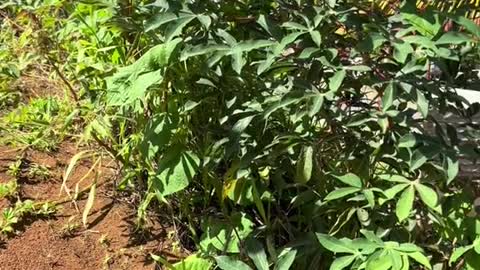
293 133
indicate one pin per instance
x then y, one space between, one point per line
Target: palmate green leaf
305 165
350 179
428 195
175 171
341 192
256 252
229 263
336 80
405 203
342 262
334 245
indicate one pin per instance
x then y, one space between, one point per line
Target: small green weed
40 124
8 189
37 171
14 215
15 168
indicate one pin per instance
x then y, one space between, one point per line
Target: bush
298 129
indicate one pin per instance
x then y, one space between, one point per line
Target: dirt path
61 241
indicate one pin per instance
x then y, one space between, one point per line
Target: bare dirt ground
60 241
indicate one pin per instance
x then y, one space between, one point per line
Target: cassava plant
299 134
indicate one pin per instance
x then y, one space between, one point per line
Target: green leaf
350 179
161 19
342 262
176 28
316 106
305 165
417 160
341 192
407 141
428 195
452 169
388 96
421 24
396 259
401 51
422 104
249 45
405 203
420 258
394 178
225 236
391 192
371 42
333 244
378 261
469 25
294 26
316 37
229 263
256 252
421 41
286 260
175 171
336 80
457 253
451 38
193 262
242 124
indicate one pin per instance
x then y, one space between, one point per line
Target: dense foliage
284 134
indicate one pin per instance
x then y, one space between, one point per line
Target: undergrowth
271 134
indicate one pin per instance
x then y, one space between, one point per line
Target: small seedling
8 189
13 215
38 171
15 168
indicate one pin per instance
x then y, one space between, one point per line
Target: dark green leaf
229 263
